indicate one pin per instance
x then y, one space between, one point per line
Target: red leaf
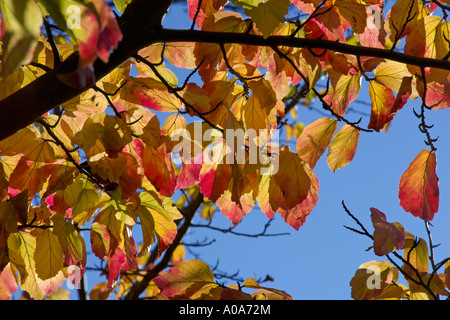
419 189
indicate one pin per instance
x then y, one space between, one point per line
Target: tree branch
141 27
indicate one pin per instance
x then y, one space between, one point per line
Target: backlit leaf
189 279
315 139
266 14
48 255
343 147
382 102
373 279
419 188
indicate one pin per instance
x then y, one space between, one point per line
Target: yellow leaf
21 249
48 255
343 147
315 139
267 14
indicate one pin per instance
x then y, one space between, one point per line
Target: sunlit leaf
315 139
419 188
343 147
187 279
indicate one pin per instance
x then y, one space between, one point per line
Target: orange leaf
418 188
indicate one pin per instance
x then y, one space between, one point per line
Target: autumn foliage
100 157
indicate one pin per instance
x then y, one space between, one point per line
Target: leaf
33 169
121 4
426 38
266 14
343 147
263 292
292 179
216 173
419 188
296 216
398 16
315 139
207 7
8 283
391 75
373 279
416 253
382 102
343 90
21 249
48 255
22 21
181 54
157 219
92 25
437 92
71 241
157 166
84 199
188 279
387 236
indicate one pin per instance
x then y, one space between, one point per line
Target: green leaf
121 4
22 20
266 14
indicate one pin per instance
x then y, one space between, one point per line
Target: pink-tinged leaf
331 23
382 101
215 174
315 139
207 7
373 36
181 54
98 35
235 211
190 173
115 262
296 217
419 187
343 147
403 94
188 279
387 236
157 166
8 283
343 90
438 90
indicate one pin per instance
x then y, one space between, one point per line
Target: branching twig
325 105
175 92
418 281
51 41
423 127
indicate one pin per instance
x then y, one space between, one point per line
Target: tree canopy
98 135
